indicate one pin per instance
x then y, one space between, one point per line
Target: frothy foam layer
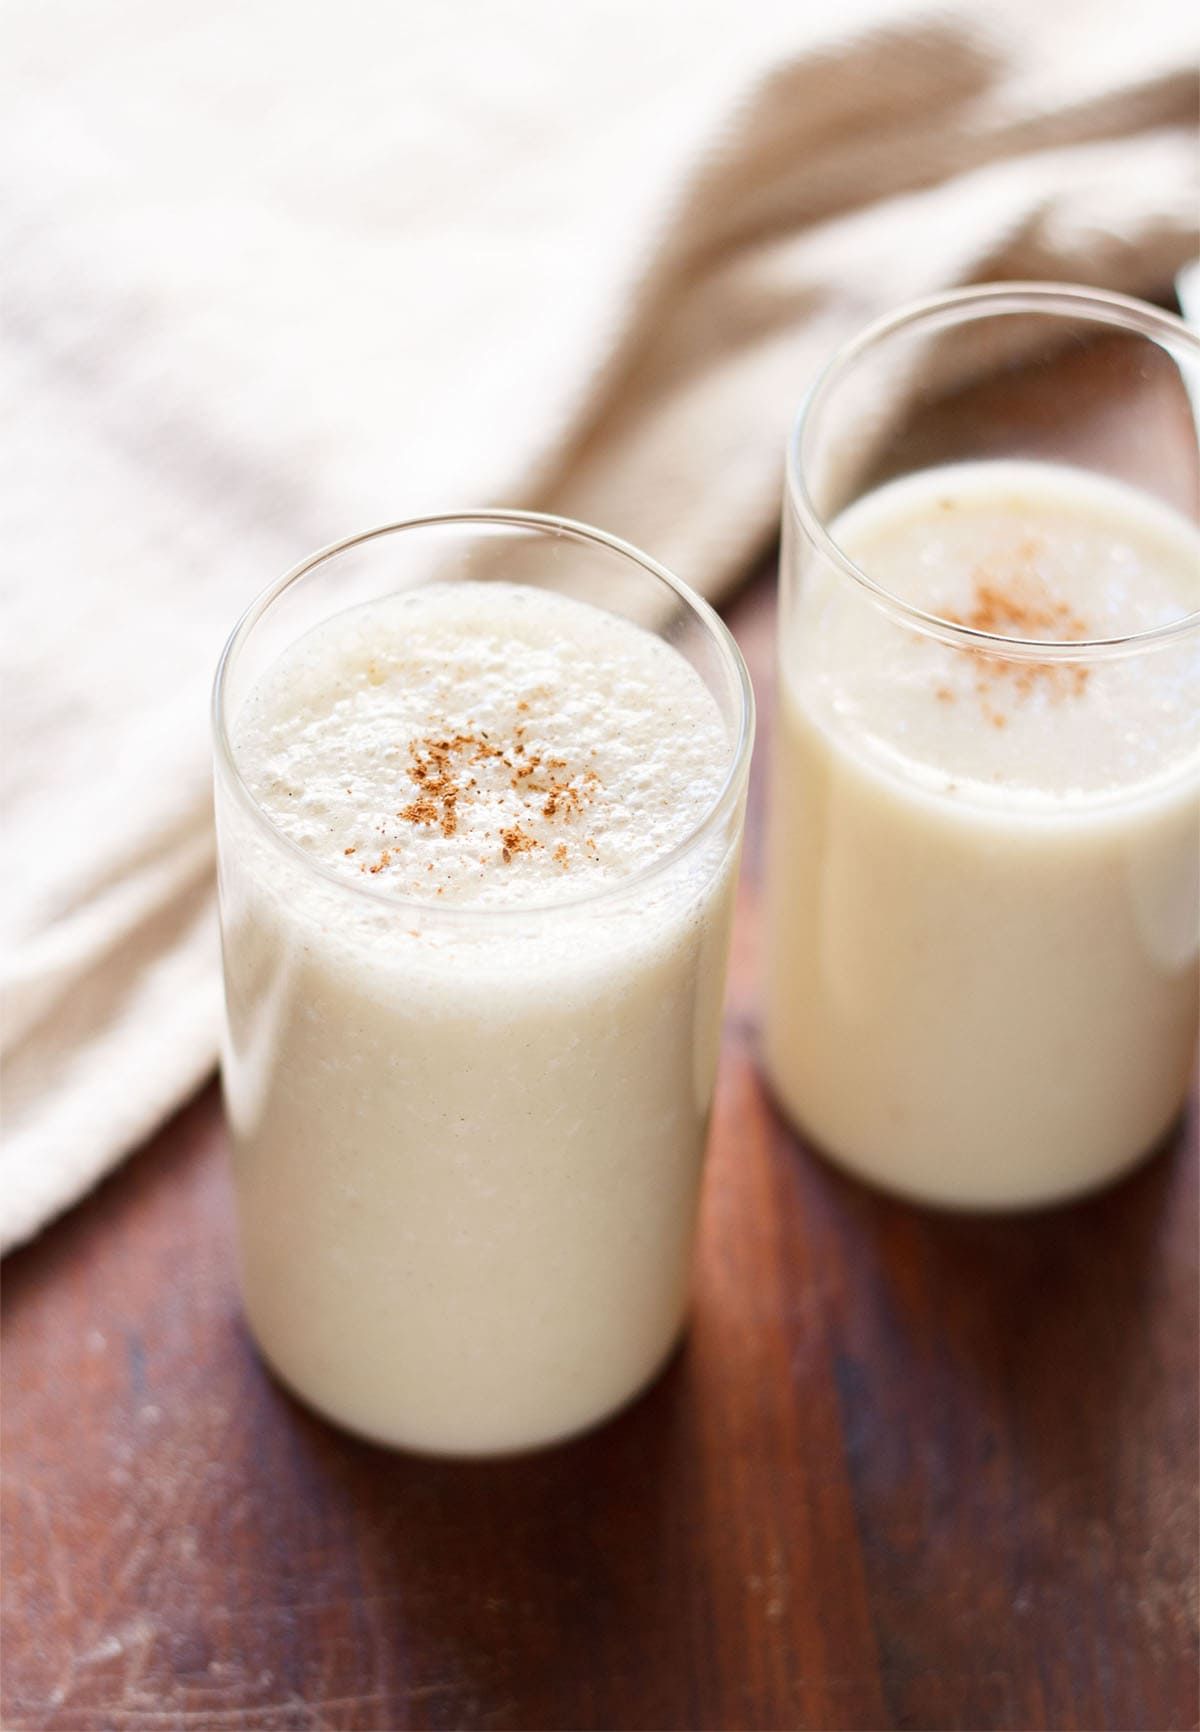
1018 549
483 743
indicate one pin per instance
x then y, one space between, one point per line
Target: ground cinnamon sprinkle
439 767
432 768
1019 603
568 797
516 841
422 811
1024 604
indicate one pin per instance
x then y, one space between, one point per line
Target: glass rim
469 913
957 307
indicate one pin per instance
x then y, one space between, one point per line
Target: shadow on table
1010 1393
1043 1319
506 1589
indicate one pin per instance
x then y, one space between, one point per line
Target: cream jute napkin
279 271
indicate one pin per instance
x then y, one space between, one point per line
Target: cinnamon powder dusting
1018 602
440 770
432 766
516 841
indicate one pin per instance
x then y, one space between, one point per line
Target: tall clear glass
983 907
467 1140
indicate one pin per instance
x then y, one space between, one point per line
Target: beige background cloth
279 271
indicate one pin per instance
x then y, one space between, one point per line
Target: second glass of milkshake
984 872
479 785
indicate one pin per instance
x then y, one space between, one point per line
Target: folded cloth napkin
279 272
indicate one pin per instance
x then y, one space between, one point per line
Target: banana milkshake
478 851
984 909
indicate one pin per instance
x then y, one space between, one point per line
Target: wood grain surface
909 1470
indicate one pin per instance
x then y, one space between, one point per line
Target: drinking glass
468 1140
983 905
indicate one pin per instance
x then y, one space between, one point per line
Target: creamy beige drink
984 910
474 1005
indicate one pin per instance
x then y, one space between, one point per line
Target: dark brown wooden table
910 1470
